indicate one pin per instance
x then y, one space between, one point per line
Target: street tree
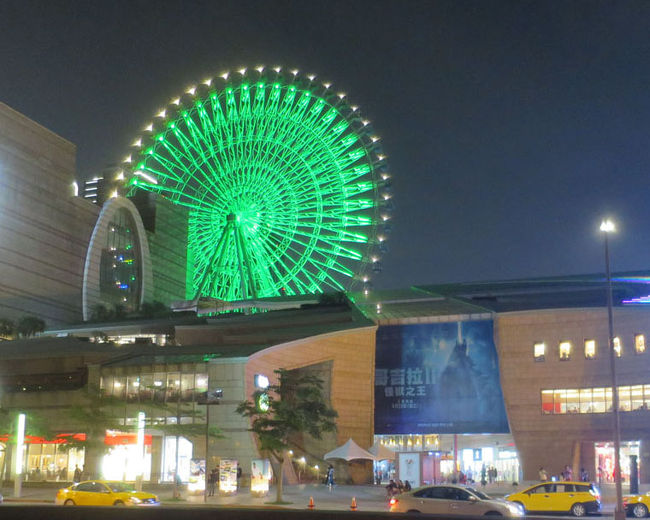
35 425
7 328
29 326
294 405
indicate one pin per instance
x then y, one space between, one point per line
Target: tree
7 328
28 326
34 425
294 405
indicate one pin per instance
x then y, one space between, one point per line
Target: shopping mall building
509 375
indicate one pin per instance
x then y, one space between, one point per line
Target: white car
449 499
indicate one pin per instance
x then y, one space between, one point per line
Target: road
368 498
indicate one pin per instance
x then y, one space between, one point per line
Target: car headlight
135 500
515 509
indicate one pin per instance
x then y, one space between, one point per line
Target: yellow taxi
637 505
577 498
104 493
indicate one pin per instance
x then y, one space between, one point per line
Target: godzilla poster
438 378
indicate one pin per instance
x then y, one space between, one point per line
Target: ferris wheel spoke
278 180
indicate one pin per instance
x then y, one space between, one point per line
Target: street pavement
368 498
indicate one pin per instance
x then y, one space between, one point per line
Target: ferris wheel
286 184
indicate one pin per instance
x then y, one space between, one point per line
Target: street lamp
607 227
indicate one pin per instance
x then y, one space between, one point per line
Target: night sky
512 128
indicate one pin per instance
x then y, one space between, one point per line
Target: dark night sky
511 127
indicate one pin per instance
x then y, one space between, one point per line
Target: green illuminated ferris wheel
286 184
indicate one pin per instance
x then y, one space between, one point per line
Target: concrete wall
553 441
44 230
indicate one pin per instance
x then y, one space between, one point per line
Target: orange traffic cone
311 503
353 505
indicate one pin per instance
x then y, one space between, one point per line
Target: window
624 398
599 401
594 400
639 343
590 348
586 400
119 387
636 397
173 388
547 401
539 351
187 387
133 386
565 350
618 346
559 401
573 401
544 488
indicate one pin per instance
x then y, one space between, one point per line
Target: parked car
452 500
636 505
104 493
577 498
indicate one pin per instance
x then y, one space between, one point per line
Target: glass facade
160 387
120 267
595 400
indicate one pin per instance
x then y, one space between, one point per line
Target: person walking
543 476
330 477
212 482
76 476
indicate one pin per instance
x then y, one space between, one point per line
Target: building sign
438 378
227 476
260 476
196 481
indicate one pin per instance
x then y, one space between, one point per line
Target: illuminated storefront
124 460
185 450
47 459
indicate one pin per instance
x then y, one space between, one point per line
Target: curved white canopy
349 451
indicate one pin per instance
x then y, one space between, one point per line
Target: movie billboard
438 378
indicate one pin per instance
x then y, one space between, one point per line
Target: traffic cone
353 505
311 503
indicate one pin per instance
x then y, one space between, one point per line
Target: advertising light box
438 378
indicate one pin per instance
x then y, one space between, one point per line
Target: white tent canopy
349 451
381 452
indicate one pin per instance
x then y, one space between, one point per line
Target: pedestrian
239 473
391 489
568 473
76 476
407 486
212 482
584 476
330 477
543 476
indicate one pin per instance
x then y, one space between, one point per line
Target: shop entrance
604 469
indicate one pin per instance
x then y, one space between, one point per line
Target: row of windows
565 348
595 400
160 387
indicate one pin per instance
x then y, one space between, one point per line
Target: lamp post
607 227
20 451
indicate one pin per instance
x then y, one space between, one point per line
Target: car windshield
478 493
120 487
